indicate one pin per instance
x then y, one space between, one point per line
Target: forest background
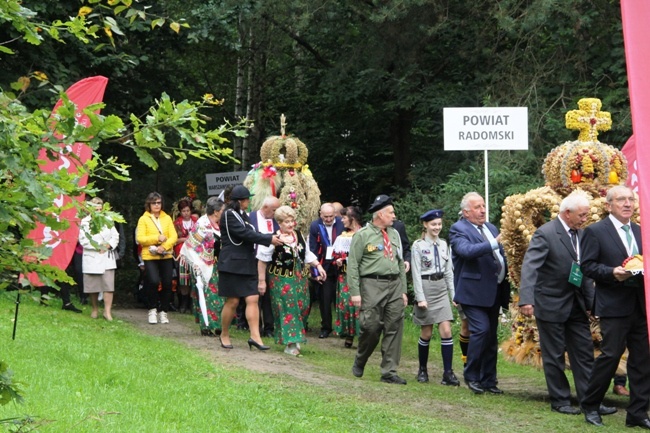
362 83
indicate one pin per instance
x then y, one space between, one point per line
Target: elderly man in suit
620 304
553 289
322 234
481 289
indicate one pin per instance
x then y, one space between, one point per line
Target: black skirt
237 285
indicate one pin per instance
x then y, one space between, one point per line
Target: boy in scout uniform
377 282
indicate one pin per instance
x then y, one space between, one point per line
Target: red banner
636 16
629 150
83 93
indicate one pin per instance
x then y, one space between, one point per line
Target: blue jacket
475 268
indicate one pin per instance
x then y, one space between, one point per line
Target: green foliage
9 389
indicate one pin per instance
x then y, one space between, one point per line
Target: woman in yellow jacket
156 234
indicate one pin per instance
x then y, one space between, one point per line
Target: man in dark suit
559 302
620 304
406 244
322 234
481 289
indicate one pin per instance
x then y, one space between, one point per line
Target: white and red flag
83 93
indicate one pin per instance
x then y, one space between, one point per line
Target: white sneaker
153 316
162 317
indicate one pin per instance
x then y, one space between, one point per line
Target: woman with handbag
157 235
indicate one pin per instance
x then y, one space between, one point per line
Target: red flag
83 93
636 16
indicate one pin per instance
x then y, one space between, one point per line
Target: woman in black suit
238 267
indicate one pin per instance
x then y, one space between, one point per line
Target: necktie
269 226
574 238
630 243
436 258
388 249
494 253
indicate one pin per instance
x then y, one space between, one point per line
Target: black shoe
593 418
606 410
566 410
207 333
324 334
268 334
259 346
449 379
225 346
395 380
636 422
423 376
70 307
493 390
475 387
356 370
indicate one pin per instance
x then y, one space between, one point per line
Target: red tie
269 226
388 249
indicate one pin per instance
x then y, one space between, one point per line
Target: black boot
182 304
423 376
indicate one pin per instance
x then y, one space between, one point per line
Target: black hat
431 215
380 202
240 192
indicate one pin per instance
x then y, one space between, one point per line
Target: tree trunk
239 94
250 102
399 132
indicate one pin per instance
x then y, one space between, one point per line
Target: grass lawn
84 375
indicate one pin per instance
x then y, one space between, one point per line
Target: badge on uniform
380 247
370 248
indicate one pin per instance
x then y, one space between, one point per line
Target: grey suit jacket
545 274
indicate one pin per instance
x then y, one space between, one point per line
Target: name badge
575 277
329 252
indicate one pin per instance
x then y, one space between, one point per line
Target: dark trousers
266 316
618 333
574 336
156 272
483 345
327 298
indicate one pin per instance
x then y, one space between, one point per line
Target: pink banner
636 16
83 93
629 150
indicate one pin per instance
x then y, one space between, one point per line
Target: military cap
240 192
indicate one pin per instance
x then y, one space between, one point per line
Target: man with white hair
264 222
553 290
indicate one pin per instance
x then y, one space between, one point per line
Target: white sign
486 128
217 182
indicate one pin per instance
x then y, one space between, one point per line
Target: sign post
217 182
486 128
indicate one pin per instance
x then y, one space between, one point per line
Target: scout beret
380 202
431 215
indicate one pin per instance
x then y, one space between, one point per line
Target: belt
433 277
389 277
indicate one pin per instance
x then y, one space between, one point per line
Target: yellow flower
40 76
84 11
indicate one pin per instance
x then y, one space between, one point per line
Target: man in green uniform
377 282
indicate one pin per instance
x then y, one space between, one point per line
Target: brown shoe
621 390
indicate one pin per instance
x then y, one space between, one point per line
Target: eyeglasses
157 203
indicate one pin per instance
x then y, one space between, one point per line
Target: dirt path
183 330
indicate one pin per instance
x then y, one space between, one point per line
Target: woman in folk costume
433 286
184 224
198 256
288 285
347 315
